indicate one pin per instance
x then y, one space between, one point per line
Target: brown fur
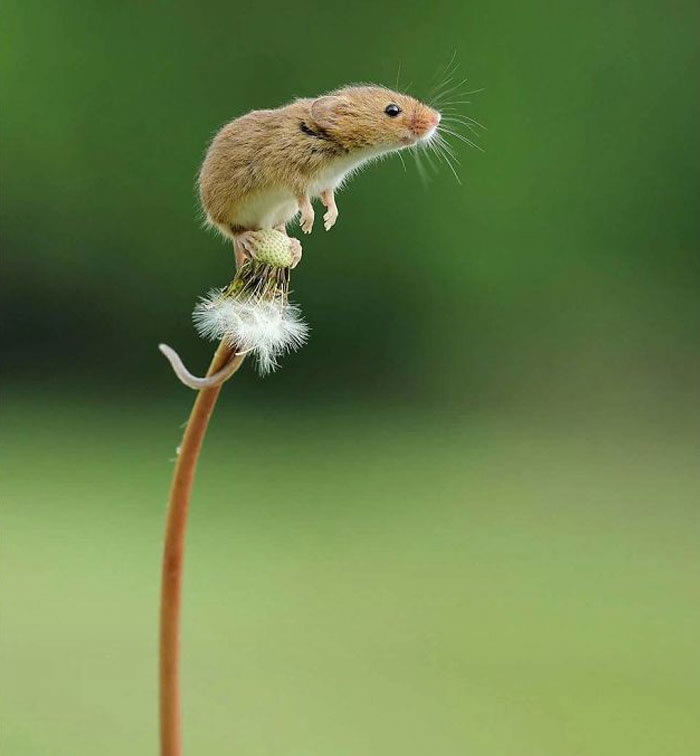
263 167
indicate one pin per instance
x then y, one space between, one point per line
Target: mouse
264 169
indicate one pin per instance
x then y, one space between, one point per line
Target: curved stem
173 555
192 381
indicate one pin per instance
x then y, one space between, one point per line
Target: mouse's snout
425 121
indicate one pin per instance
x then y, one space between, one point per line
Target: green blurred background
464 518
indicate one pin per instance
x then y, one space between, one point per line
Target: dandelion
253 313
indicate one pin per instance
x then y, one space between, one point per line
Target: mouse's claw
307 214
295 247
307 223
245 247
330 217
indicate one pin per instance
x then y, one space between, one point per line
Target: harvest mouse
264 168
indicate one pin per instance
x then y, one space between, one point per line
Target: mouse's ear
325 109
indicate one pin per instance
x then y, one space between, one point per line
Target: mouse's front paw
307 221
330 217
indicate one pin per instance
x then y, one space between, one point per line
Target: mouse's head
360 117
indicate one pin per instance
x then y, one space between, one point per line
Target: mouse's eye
392 110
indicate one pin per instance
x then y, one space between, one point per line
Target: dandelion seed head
268 328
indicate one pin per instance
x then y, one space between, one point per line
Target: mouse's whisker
447 75
458 114
464 94
450 86
420 167
426 152
450 68
439 91
456 124
473 127
403 162
462 138
429 160
457 98
446 147
441 152
451 107
444 151
462 117
450 91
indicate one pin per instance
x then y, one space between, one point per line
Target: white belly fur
266 209
278 206
342 168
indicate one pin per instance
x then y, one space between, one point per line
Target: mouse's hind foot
244 247
294 245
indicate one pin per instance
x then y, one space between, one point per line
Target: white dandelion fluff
268 328
252 315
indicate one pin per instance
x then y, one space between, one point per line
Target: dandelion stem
173 556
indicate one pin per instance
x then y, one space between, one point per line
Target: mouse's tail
208 381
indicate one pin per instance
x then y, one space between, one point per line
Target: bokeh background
464 519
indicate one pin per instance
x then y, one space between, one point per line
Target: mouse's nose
433 120
426 121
